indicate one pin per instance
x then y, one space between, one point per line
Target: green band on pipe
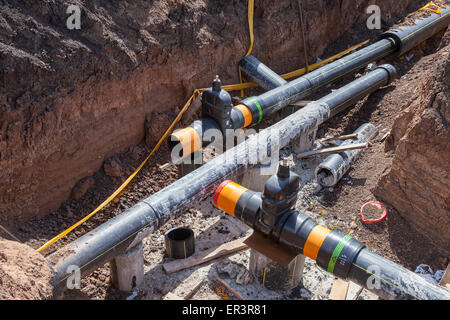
337 251
259 108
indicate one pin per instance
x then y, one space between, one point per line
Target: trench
37 229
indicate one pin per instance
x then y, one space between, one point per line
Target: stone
82 186
112 168
244 277
229 269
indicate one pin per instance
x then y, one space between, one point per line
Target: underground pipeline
333 250
191 139
260 73
128 229
332 169
251 111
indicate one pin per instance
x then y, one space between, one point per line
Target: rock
244 277
353 225
112 168
69 212
228 268
418 182
82 186
317 188
156 124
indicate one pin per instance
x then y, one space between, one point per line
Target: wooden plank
205 256
194 289
189 286
339 290
234 292
270 249
352 146
445 281
358 293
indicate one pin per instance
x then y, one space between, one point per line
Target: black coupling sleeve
407 37
337 253
295 230
247 207
255 108
391 70
180 242
237 119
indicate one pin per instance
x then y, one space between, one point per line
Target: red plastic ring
377 204
219 190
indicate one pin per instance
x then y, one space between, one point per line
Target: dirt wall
418 182
71 98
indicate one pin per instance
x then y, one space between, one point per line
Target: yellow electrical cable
429 6
251 9
231 87
296 73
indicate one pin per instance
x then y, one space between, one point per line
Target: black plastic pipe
358 89
260 73
348 259
334 251
398 40
278 98
124 231
252 110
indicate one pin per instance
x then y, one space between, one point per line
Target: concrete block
127 270
274 276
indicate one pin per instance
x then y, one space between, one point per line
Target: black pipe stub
180 242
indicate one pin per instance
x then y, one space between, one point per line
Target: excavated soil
24 274
336 207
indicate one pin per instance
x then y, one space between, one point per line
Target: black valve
279 195
217 104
